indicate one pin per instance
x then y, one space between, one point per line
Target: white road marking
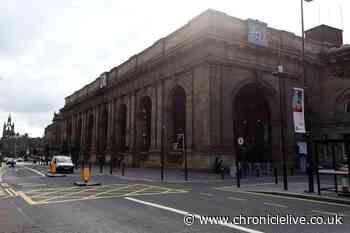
327 212
5 185
9 192
31 184
236 199
182 212
35 171
275 205
206 194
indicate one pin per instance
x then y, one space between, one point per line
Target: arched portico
255 115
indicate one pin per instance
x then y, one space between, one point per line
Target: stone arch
255 112
269 92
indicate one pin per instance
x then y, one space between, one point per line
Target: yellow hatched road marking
113 190
56 191
99 192
68 194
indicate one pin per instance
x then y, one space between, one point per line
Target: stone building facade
211 81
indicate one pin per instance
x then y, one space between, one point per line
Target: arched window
145 120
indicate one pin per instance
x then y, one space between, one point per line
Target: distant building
9 128
14 145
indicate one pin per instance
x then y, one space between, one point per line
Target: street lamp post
308 132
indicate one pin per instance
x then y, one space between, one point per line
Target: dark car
11 162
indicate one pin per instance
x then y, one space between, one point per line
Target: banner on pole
298 110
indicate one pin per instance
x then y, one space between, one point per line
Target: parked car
63 163
19 159
11 162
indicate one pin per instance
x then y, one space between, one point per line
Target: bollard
101 167
123 169
276 177
111 167
90 166
291 171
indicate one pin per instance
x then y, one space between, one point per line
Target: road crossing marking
67 194
185 213
33 170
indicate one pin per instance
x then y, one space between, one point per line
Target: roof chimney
325 33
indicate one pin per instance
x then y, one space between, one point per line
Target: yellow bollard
53 168
85 175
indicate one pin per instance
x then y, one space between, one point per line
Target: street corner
77 193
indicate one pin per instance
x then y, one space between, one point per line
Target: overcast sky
48 49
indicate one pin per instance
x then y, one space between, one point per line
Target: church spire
9 118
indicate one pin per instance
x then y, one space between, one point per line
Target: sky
49 49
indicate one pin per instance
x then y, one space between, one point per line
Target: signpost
240 142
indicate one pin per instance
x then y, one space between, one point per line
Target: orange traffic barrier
53 168
86 175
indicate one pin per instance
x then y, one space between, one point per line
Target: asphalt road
31 202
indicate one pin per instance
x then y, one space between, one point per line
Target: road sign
240 141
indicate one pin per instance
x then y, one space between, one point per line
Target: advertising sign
298 110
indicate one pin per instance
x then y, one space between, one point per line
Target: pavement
33 202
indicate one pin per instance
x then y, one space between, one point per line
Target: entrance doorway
252 122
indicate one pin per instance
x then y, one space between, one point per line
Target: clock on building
257 32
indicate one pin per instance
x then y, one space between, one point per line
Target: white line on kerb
182 212
327 213
206 194
275 205
236 199
33 170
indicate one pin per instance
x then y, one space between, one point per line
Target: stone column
128 121
159 111
115 135
73 131
110 126
94 141
154 119
82 136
